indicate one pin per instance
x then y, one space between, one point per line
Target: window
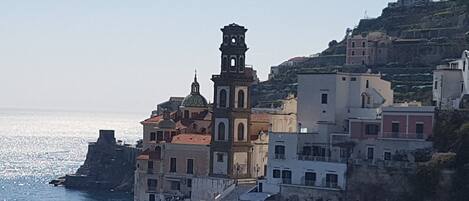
363 53
240 132
462 87
221 131
353 53
464 66
152 136
367 84
307 151
151 184
190 166
310 178
150 165
186 114
233 40
222 98
219 157
372 129
172 165
419 130
387 156
353 79
189 183
152 197
233 62
353 44
240 99
286 176
363 44
158 152
323 98
343 78
175 185
331 180
279 152
395 127
370 153
159 136
276 173
436 85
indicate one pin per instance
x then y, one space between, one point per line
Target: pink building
396 122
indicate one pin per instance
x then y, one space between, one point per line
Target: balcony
397 135
286 180
309 182
321 158
151 189
150 171
280 156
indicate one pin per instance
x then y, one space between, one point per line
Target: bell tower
231 149
233 49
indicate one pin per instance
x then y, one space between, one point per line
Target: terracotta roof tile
197 139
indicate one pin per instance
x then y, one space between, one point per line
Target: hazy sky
98 55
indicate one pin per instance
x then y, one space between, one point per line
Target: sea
37 146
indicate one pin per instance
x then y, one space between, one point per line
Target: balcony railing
309 182
398 135
321 158
151 188
286 180
280 156
150 171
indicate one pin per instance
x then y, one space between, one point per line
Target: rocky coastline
109 166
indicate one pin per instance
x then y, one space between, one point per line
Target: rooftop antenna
366 15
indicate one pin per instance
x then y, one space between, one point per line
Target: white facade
451 84
328 174
330 97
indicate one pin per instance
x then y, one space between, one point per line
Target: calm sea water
37 146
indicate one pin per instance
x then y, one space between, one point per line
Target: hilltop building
367 49
451 84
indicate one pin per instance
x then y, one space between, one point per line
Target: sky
128 56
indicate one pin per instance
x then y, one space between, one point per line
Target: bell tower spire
233 49
195 89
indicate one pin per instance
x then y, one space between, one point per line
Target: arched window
233 62
363 44
158 153
222 98
240 99
221 131
240 132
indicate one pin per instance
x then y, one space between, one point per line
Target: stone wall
304 193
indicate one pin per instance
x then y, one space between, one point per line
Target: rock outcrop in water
108 166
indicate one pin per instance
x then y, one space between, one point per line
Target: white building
332 98
308 163
451 84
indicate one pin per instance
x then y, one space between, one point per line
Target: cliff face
422 37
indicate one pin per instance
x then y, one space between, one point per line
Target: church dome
194 99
